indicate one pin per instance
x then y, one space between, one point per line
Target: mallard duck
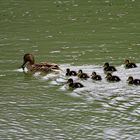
132 81
108 68
74 85
129 64
82 75
29 63
112 78
70 73
94 76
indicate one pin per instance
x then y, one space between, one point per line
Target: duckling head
106 65
130 78
126 61
67 70
70 81
109 75
79 73
93 73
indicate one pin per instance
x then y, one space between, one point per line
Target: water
80 35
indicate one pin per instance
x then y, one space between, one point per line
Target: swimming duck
132 81
112 78
29 63
129 64
94 76
70 73
108 68
82 75
74 85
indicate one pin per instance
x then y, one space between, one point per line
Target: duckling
94 76
74 85
129 64
112 78
132 81
108 68
29 63
82 75
70 73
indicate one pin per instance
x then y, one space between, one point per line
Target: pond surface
75 34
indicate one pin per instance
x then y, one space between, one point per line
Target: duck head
27 58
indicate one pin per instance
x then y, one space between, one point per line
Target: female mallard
94 76
112 78
29 63
108 68
129 64
132 81
74 85
82 75
70 73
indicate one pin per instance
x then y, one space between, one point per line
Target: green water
76 34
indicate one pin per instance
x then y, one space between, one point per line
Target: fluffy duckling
29 63
132 81
82 75
108 68
74 85
70 73
112 78
129 64
94 76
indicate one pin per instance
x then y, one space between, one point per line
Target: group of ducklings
109 77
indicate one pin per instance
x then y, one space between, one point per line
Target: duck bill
23 65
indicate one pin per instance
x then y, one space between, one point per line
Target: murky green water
78 34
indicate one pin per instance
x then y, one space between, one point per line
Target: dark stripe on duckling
94 76
74 85
133 81
108 68
129 64
70 73
112 78
82 75
29 63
